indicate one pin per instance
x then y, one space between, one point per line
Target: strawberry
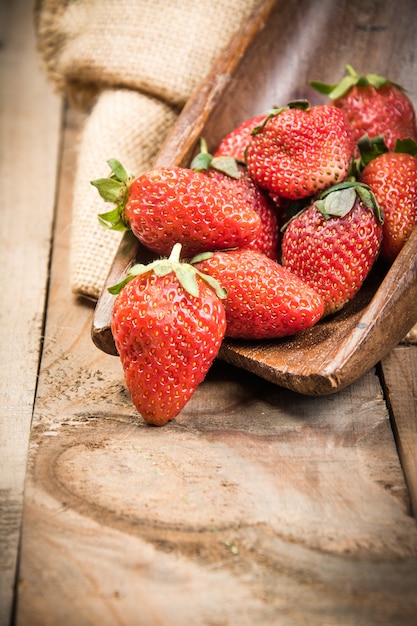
373 106
234 176
170 205
245 188
264 300
234 144
333 243
300 150
168 323
392 176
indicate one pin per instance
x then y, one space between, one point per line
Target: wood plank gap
399 385
30 123
58 175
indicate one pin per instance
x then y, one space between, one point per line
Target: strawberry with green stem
392 176
168 323
333 243
234 176
171 205
373 106
234 144
298 150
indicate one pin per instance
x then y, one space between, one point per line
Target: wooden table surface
256 506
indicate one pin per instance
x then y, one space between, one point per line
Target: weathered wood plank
30 129
300 510
399 369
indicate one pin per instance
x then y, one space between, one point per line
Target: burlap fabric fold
134 63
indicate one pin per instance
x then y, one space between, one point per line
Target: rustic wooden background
256 506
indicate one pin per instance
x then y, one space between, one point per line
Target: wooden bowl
271 61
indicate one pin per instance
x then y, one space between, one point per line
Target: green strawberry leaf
349 70
114 189
351 79
371 148
365 194
323 88
407 145
342 87
346 184
139 268
202 256
336 206
204 161
227 165
111 217
337 203
301 104
162 267
110 190
201 162
187 278
119 172
113 220
213 283
375 80
271 113
368 198
115 289
337 90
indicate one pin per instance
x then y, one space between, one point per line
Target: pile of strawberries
262 239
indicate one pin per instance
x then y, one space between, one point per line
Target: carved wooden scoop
267 64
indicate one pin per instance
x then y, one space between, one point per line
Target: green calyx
370 148
351 79
338 200
186 274
203 161
301 104
406 146
114 189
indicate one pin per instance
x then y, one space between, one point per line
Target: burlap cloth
132 64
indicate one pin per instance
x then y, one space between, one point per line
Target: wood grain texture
272 62
257 505
399 369
30 117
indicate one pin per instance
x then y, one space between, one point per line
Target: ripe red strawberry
168 323
334 242
245 188
373 106
235 177
235 143
177 205
298 151
393 179
264 300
